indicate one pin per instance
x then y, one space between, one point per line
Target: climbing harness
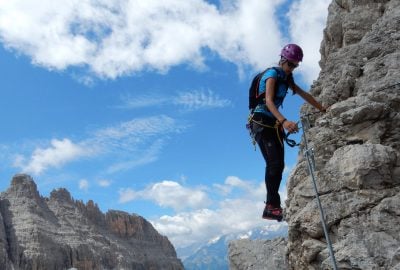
309 154
278 127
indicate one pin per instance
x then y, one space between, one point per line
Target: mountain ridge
60 233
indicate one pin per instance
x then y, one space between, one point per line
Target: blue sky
141 106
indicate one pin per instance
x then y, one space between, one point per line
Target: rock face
249 254
214 255
61 233
356 145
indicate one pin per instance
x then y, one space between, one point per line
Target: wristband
283 121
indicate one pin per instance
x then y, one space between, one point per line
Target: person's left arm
307 97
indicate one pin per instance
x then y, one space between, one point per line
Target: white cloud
137 102
135 136
188 100
232 182
307 21
83 184
138 129
187 228
197 218
104 183
231 214
118 142
195 100
140 137
57 154
150 155
168 194
113 38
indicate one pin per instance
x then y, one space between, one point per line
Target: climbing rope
277 127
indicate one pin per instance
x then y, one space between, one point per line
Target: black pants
273 152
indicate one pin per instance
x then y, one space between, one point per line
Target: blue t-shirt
281 89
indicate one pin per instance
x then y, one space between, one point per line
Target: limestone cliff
356 145
258 254
61 233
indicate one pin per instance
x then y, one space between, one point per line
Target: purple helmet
292 52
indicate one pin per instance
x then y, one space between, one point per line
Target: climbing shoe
272 212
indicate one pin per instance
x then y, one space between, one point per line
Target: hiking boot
272 212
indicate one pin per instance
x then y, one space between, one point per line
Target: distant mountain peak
22 185
214 253
61 233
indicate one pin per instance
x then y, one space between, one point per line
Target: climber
267 123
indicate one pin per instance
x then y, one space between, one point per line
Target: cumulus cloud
232 182
57 154
113 38
203 214
231 214
168 194
200 226
307 21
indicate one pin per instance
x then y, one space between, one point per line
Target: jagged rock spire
62 233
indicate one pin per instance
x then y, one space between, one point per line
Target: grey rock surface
249 254
356 145
61 233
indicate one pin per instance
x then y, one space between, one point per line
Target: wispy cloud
120 37
195 100
189 100
115 141
150 155
139 128
137 102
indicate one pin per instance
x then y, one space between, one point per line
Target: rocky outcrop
249 254
61 233
356 145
